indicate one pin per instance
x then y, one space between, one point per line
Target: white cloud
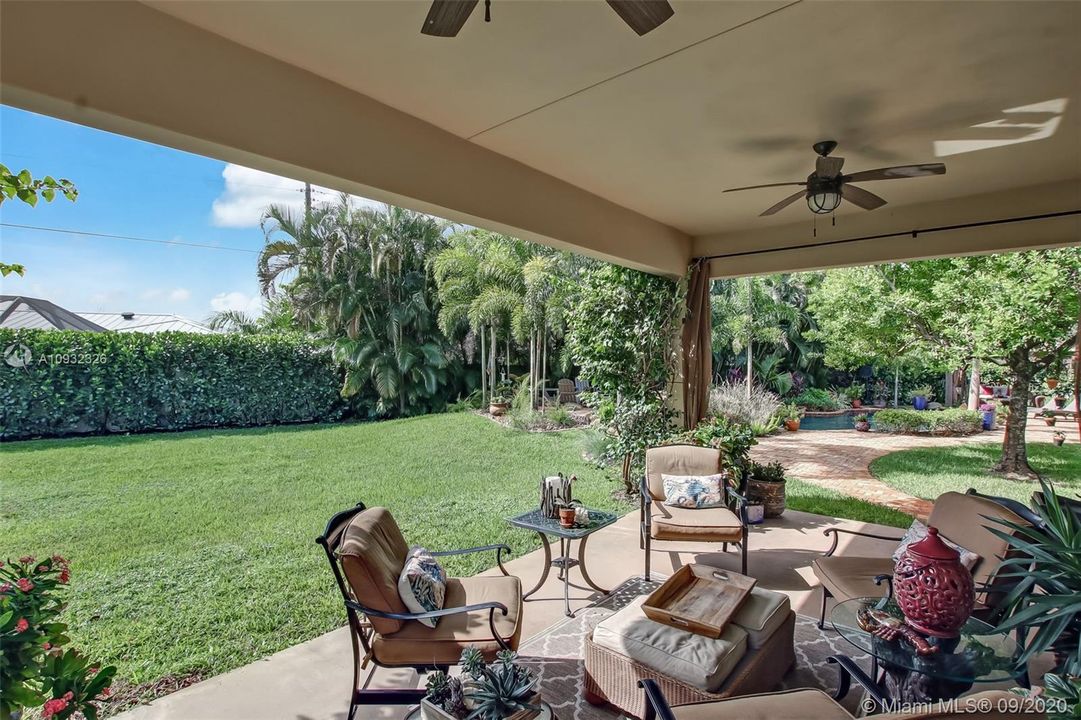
180 295
248 193
237 300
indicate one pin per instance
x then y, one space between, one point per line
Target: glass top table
536 521
978 655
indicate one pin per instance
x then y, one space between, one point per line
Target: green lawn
194 552
929 472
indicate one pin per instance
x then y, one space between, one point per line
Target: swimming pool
831 422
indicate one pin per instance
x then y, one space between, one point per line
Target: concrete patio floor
310 681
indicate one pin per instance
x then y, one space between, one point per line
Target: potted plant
1048 416
501 690
1052 383
791 413
862 422
498 405
36 671
920 396
989 411
1043 602
765 485
853 394
1060 401
1058 437
880 393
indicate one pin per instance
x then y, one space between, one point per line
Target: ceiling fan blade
900 171
784 203
755 187
860 197
829 167
446 17
642 15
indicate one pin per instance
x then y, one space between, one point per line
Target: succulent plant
437 687
503 689
472 662
455 702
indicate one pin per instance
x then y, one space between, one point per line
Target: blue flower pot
919 402
988 419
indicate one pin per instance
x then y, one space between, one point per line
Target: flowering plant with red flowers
35 669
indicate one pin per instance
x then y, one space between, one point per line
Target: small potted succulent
1048 416
862 422
920 396
502 690
1058 437
989 411
765 485
791 413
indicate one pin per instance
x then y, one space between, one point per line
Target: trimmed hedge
93 383
952 421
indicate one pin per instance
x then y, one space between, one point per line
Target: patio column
697 345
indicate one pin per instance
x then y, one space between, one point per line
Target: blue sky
133 188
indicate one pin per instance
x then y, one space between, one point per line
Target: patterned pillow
918 531
693 491
422 584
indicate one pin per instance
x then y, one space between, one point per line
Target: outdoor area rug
557 656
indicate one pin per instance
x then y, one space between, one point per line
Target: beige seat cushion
678 460
761 614
717 524
416 644
961 518
697 660
848 577
789 705
372 553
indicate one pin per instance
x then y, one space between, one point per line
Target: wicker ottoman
611 677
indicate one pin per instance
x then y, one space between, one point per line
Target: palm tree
748 311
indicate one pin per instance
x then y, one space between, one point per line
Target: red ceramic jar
933 589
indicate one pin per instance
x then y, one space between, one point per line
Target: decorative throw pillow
918 531
693 491
422 584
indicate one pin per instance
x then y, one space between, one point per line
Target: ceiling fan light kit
446 17
826 187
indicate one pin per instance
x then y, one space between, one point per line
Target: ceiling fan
826 186
446 17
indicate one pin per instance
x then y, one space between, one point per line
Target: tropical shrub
924 391
35 669
817 399
953 421
734 440
771 472
93 383
731 401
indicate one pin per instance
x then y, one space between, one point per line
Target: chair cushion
693 491
372 553
678 460
761 614
416 644
717 524
918 531
697 660
422 585
787 705
848 577
961 518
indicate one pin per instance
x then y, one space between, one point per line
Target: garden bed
948 422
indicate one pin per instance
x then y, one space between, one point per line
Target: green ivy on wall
65 382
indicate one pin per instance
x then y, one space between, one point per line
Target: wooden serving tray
698 598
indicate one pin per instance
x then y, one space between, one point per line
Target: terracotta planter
791 425
769 494
1050 421
1052 383
1060 402
1058 439
497 408
932 588
857 403
863 426
566 517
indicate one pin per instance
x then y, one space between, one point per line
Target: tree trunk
974 385
1014 461
491 360
533 370
897 386
507 363
750 366
544 362
483 369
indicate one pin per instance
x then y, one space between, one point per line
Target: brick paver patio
840 460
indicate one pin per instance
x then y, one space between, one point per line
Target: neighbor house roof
20 312
145 322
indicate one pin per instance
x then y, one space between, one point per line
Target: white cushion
761 614
696 660
693 491
422 584
918 531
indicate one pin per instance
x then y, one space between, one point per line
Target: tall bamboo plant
1046 601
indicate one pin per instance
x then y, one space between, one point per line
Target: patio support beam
127 68
791 248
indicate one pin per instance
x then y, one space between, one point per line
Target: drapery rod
905 233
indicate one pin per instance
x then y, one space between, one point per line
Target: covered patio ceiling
558 124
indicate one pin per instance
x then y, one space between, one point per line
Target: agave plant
1047 596
503 689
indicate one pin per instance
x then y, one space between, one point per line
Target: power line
87 233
